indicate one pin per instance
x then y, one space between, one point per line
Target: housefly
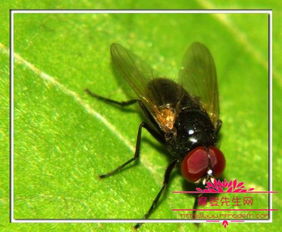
183 116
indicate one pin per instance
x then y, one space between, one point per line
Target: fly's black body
192 126
183 116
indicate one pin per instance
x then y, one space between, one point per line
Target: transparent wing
134 70
159 95
198 77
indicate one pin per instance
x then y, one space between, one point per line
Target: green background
64 139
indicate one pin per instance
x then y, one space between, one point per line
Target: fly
183 115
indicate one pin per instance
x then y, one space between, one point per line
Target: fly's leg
195 206
138 141
136 155
127 103
218 126
164 187
107 100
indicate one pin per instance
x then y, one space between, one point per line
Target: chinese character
225 201
213 201
236 201
248 201
202 201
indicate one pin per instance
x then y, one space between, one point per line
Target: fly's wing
150 89
198 77
135 71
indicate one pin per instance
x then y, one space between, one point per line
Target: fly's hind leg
218 126
136 154
138 141
107 100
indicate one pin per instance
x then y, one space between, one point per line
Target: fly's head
203 164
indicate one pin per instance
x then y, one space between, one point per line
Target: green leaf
64 139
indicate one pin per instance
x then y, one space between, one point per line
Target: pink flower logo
225 223
218 186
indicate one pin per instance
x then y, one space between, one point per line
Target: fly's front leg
168 171
218 126
136 154
107 100
195 206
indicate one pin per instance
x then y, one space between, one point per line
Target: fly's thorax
193 128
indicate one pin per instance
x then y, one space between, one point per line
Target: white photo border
127 11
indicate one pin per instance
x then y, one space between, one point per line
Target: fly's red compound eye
196 163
